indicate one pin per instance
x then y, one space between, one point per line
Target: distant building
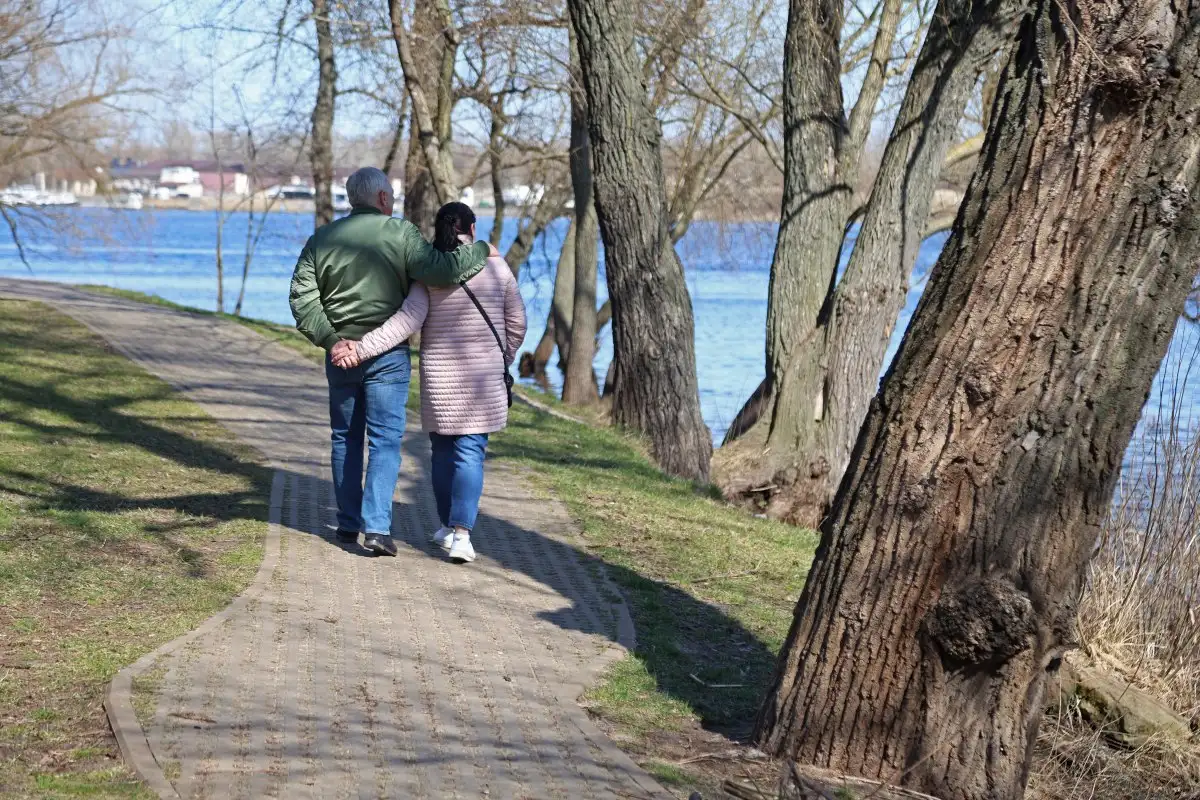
522 195
167 179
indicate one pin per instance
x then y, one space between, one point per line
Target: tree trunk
221 217
656 393
579 380
393 153
248 252
533 365
321 151
429 170
220 261
818 394
562 306
816 201
945 586
420 197
496 161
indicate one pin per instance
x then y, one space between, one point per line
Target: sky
209 59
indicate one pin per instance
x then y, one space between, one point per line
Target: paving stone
344 675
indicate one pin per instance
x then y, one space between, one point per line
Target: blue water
172 254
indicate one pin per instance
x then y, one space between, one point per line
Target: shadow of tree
695 651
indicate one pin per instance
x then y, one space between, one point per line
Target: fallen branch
727 576
716 685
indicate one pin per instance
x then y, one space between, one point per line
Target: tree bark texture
427 59
562 305
321 150
816 395
854 337
579 380
945 586
816 200
496 162
656 392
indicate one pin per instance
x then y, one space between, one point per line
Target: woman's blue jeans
367 403
458 477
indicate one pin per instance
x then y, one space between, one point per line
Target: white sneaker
461 551
442 537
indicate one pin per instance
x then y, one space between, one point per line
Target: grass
711 589
126 517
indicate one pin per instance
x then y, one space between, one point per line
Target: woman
464 393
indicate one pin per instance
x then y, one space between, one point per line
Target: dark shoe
347 537
381 544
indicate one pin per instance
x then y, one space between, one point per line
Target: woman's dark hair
453 220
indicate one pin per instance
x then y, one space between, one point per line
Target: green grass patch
127 516
285 335
711 588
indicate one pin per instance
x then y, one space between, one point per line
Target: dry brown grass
1138 619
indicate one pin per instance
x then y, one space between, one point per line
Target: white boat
32 196
131 201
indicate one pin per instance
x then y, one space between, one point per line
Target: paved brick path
343 675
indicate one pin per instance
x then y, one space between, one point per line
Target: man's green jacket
355 272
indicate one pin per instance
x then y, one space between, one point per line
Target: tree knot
979 385
985 621
1173 198
1133 69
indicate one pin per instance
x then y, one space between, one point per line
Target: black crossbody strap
488 320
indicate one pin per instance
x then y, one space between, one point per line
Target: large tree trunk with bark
816 199
945 586
579 380
827 342
321 149
656 393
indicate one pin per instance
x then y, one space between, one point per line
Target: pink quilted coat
462 369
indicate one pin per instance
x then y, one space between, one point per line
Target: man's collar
364 210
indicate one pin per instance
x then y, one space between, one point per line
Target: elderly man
351 277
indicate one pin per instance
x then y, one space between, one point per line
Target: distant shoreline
209 204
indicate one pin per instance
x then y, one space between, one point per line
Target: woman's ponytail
453 220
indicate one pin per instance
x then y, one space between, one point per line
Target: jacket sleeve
305 300
431 266
399 327
514 319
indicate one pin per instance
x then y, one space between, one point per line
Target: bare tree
579 379
321 148
429 79
653 335
944 590
826 340
64 84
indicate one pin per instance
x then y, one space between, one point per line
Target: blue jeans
367 402
458 477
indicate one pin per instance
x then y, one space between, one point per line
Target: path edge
118 697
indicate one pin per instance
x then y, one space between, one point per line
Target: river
172 254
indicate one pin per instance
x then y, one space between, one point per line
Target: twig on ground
734 754
716 685
726 576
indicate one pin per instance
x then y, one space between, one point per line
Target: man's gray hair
364 186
